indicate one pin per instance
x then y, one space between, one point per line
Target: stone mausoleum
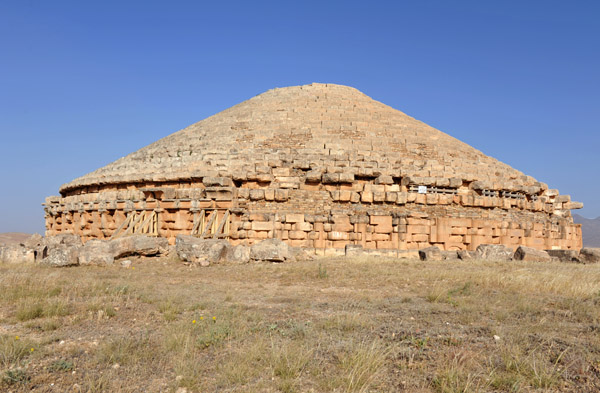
320 167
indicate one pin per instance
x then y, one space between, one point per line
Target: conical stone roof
317 127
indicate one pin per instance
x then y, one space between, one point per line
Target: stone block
430 254
297 235
345 196
303 226
334 235
280 172
330 178
217 182
346 177
256 195
262 225
294 218
390 197
353 250
384 179
524 253
367 197
269 194
380 220
281 195
494 252
419 229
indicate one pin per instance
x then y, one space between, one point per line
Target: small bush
17 376
13 350
61 365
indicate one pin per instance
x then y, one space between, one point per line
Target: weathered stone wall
331 210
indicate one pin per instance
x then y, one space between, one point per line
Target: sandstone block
96 252
256 195
262 225
367 197
353 250
494 252
531 254
271 250
16 253
280 172
346 177
430 254
294 218
384 179
334 235
138 245
239 254
269 194
217 182
62 255
380 220
330 178
297 235
201 251
281 195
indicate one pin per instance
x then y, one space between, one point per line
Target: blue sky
84 83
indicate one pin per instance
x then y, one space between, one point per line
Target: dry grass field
329 325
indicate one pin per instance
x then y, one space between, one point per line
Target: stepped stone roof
313 127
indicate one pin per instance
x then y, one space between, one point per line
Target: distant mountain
13 237
591 230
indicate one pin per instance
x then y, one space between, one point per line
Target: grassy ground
343 325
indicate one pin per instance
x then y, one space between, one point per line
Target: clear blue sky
84 83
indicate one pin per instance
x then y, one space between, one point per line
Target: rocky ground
336 324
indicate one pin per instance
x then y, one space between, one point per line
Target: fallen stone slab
353 250
432 253
138 245
42 248
62 255
16 253
531 254
465 255
272 250
564 255
201 251
238 255
589 255
96 252
494 252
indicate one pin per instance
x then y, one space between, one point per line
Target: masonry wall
327 213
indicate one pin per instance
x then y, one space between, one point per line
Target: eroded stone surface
201 251
494 252
62 255
430 254
16 253
531 254
96 252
